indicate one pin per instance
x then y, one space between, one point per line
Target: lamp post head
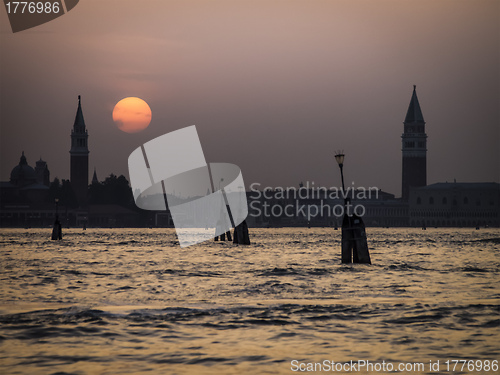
340 158
56 200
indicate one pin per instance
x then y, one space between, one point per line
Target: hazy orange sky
274 87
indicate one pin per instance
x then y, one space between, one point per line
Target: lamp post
354 245
340 160
57 208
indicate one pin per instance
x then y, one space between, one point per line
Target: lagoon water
131 301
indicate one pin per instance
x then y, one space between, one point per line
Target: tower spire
79 173
79 124
414 113
414 149
22 160
94 178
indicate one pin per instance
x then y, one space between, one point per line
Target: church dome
22 174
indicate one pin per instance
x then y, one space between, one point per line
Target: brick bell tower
414 148
79 172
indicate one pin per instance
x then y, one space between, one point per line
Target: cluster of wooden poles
240 235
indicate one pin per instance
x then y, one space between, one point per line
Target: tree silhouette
113 190
62 191
54 191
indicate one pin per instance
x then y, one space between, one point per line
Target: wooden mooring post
57 231
354 243
241 235
57 228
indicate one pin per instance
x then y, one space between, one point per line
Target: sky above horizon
275 87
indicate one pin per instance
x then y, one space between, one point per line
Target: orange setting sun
132 115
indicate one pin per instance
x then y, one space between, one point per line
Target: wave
252 313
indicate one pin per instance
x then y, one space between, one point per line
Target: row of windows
415 129
453 214
80 142
411 144
30 215
452 223
454 202
386 212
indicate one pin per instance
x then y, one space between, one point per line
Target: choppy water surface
119 301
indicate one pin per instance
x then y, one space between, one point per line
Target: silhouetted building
322 207
414 141
79 169
25 187
22 174
464 204
111 216
42 173
23 194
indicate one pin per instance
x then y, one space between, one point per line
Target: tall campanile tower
79 174
414 148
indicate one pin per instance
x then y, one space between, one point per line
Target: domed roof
22 174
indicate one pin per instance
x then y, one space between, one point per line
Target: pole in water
354 248
241 235
57 231
57 228
354 243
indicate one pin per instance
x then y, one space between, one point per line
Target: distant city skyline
274 87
